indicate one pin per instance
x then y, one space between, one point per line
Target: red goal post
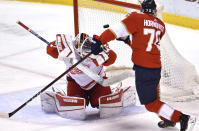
113 2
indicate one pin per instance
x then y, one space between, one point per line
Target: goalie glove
96 46
61 46
62 42
65 48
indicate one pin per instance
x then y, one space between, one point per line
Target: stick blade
4 115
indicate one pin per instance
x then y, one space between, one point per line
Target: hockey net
179 82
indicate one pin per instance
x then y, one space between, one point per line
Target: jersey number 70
153 35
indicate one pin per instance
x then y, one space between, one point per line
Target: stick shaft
33 32
51 83
47 86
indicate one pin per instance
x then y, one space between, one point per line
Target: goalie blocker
75 107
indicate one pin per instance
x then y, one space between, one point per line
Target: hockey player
86 83
147 31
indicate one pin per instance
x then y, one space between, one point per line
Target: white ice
25 68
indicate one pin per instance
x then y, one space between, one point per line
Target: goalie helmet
82 44
149 7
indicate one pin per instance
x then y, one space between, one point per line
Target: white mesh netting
179 82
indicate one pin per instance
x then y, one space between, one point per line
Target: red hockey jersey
146 31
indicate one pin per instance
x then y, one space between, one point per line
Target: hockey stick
8 115
34 33
110 80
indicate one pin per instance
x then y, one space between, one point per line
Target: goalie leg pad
129 96
110 105
70 107
47 101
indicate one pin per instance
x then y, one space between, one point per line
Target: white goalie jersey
69 55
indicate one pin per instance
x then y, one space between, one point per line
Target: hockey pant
91 96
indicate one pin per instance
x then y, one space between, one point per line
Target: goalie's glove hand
96 46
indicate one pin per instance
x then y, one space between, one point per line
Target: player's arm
105 58
117 31
123 29
111 58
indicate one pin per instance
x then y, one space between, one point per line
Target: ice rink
25 68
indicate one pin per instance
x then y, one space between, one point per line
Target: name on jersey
153 24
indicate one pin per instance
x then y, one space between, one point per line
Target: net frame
179 82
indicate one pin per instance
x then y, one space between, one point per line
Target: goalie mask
149 7
82 44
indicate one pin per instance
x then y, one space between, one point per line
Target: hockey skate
187 122
184 119
166 123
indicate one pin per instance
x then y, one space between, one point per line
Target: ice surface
25 68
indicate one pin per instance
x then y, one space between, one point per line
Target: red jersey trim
68 47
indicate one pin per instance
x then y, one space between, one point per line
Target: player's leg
147 81
73 89
48 101
109 103
171 115
96 92
66 106
129 96
70 107
164 122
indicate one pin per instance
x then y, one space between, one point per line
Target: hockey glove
96 46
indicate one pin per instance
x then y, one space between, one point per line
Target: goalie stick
106 82
33 32
8 115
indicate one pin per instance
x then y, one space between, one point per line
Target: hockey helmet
149 7
79 42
